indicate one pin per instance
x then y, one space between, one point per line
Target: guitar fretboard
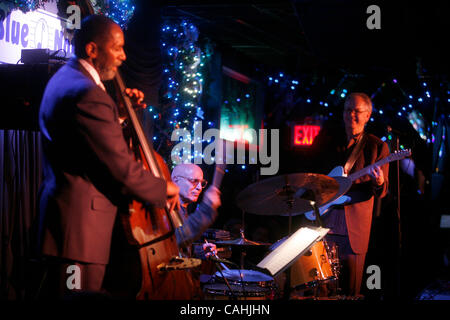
392 157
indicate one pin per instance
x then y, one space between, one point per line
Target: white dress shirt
94 74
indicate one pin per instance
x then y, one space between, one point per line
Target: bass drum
312 268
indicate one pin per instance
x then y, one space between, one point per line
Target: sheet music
291 249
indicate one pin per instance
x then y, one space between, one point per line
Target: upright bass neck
146 149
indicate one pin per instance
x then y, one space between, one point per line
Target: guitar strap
352 158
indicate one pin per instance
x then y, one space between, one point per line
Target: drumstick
215 255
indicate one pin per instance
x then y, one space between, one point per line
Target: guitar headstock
398 155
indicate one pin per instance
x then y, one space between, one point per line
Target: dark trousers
351 274
66 279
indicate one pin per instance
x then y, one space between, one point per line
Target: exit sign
303 135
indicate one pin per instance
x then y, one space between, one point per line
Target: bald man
189 179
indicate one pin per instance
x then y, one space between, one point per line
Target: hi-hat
291 193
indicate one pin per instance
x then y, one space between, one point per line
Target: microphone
389 129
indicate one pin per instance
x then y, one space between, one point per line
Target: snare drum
245 285
237 276
312 267
220 291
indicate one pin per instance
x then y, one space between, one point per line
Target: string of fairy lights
409 109
22 5
184 80
120 11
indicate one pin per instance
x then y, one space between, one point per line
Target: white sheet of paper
291 249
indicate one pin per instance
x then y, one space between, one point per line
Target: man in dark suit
350 224
88 167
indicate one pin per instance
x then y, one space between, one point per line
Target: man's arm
100 131
196 224
380 190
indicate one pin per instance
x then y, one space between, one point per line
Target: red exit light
304 134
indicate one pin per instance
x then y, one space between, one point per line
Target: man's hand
173 197
377 175
212 197
137 98
210 249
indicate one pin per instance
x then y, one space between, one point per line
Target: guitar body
336 172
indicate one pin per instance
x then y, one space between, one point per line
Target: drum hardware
243 285
219 266
237 283
222 261
242 242
179 263
290 195
335 263
216 234
218 291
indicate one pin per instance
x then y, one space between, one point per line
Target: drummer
189 178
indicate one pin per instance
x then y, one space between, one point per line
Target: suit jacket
330 151
358 215
88 168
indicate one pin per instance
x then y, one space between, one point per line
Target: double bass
145 260
155 268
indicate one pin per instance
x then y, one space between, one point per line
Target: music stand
291 249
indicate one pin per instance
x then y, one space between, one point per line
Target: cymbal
178 263
291 193
241 242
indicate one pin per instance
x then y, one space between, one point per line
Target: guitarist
350 224
189 178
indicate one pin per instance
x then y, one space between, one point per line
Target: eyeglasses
356 111
195 182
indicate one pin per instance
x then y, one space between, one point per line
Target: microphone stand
399 222
399 230
287 286
320 225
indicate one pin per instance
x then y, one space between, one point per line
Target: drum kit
286 195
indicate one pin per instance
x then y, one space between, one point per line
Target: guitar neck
358 174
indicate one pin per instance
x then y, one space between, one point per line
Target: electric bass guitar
339 172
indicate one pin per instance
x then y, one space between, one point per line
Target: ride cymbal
291 193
